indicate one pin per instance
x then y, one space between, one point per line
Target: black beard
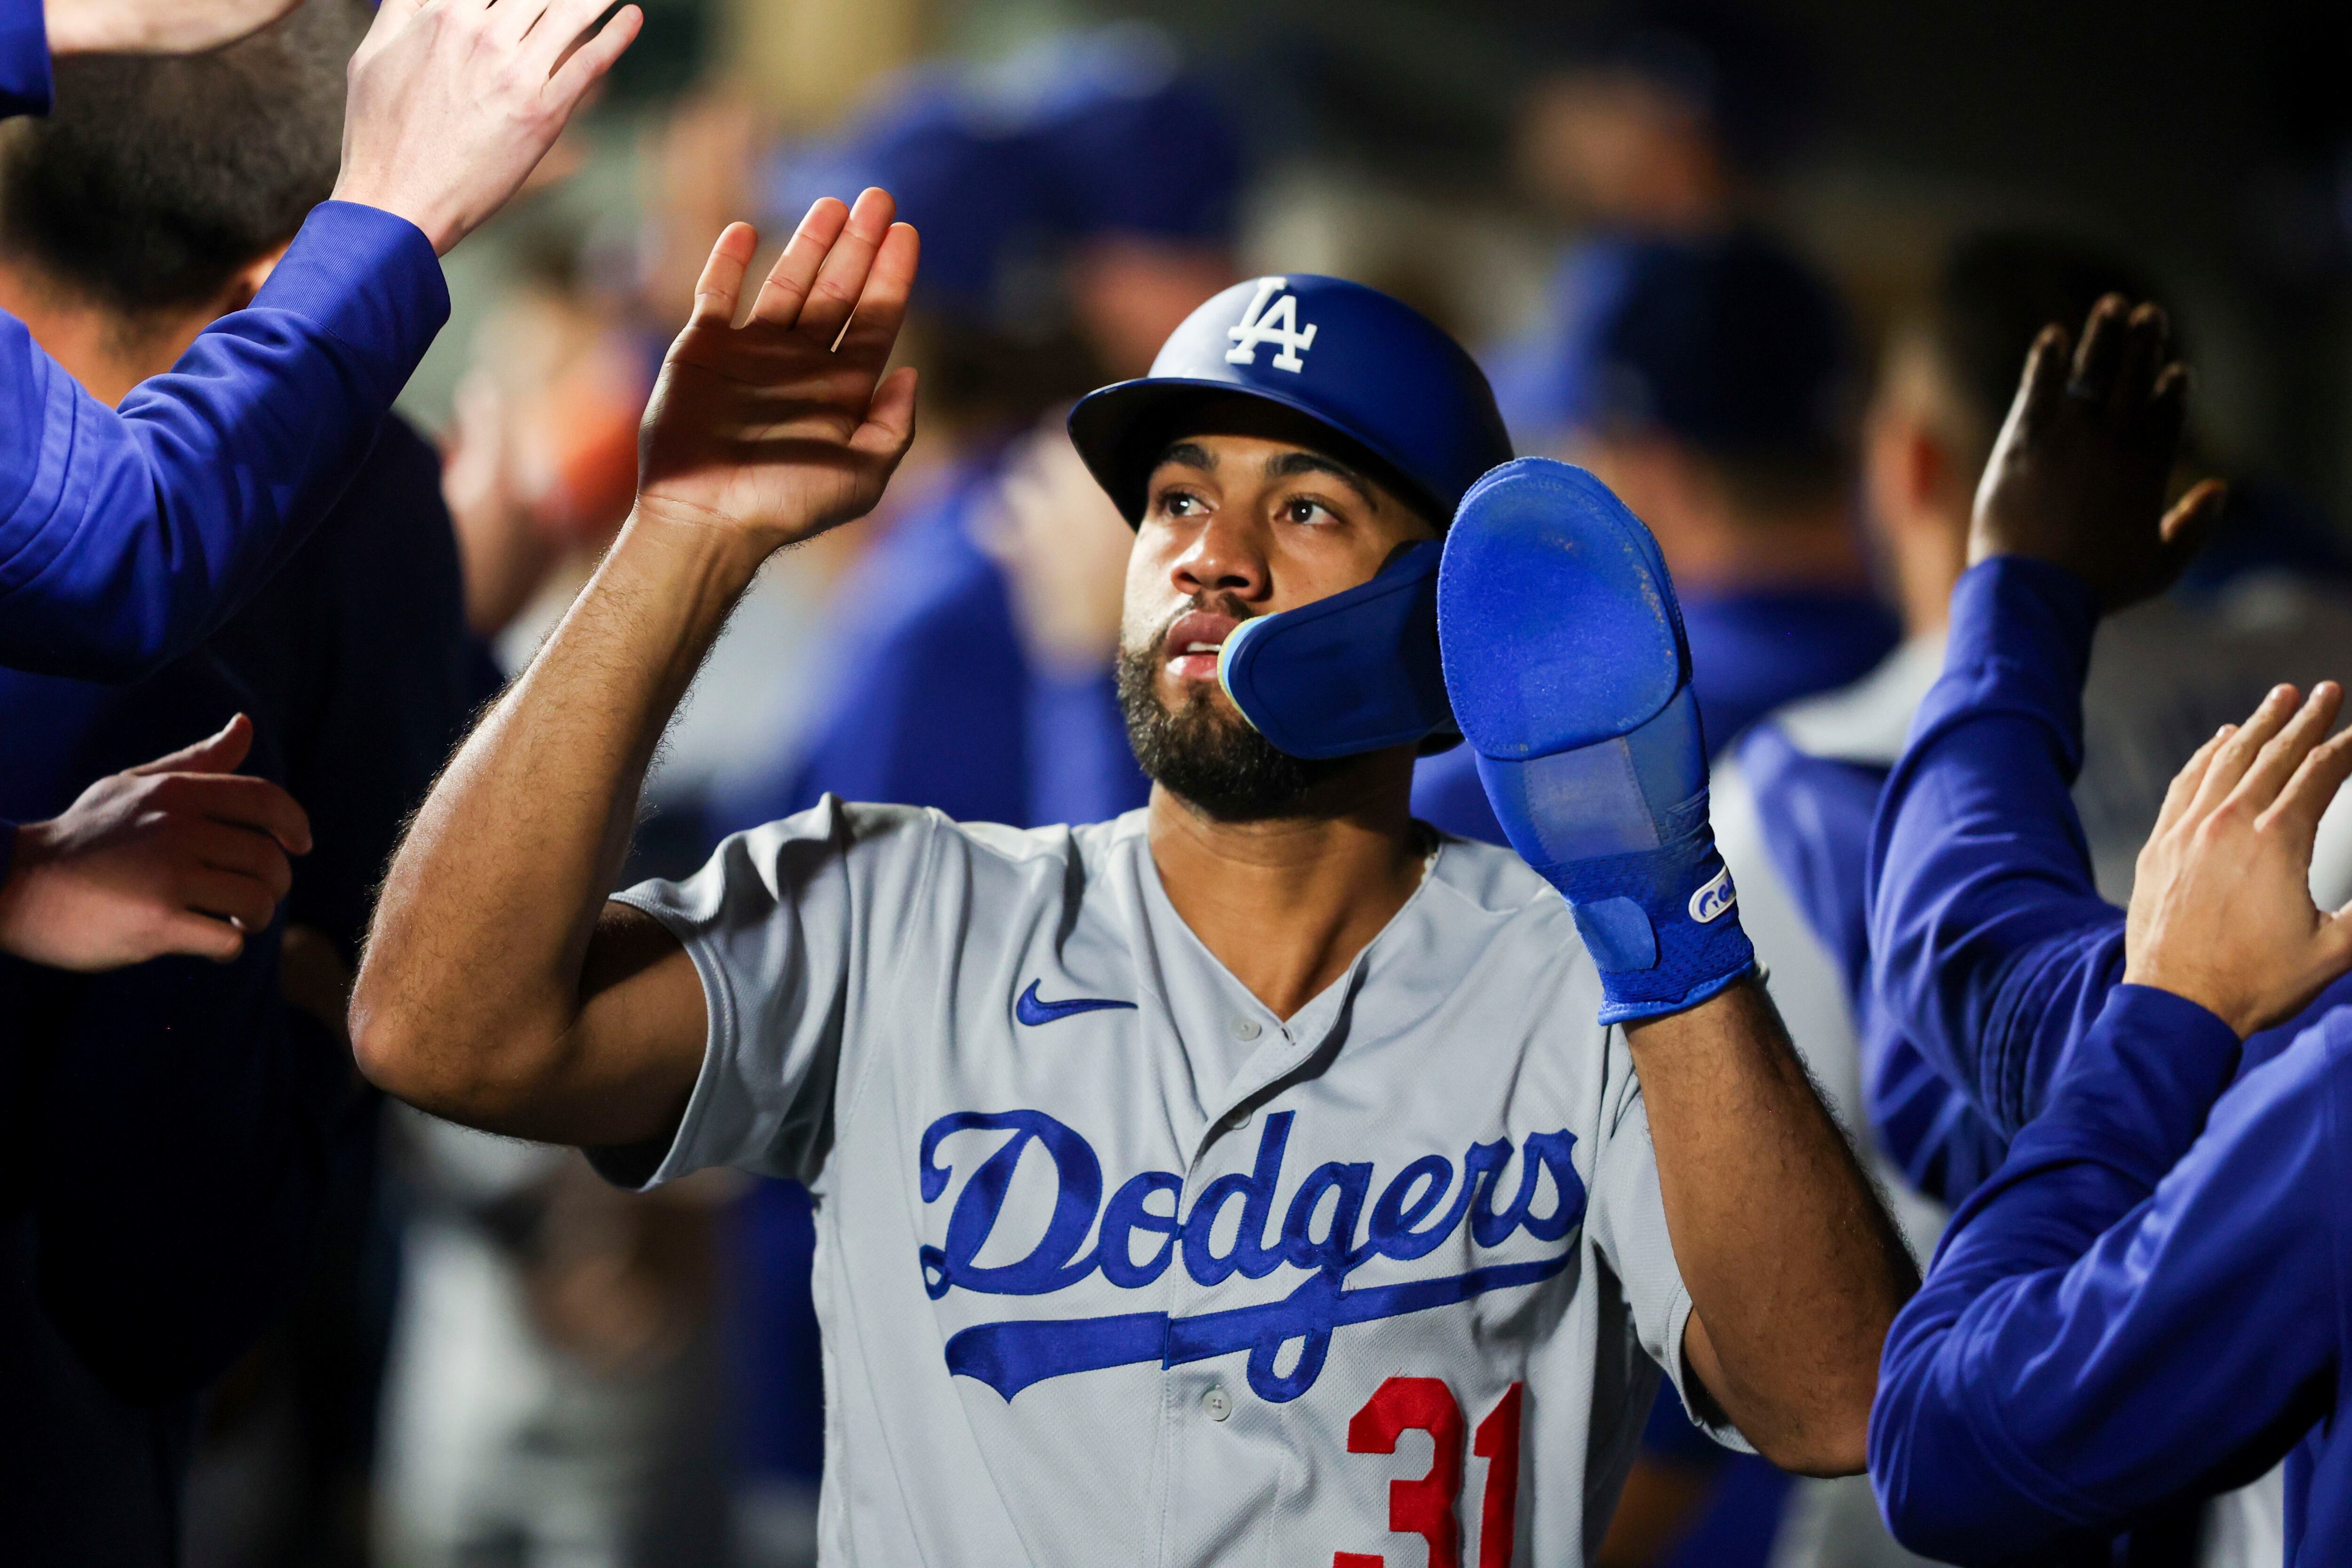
1211 759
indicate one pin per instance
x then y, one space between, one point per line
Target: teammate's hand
2078 475
2222 910
155 26
454 102
179 855
778 429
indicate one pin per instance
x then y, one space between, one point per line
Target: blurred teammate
1665 119
2167 1239
145 1258
1714 400
949 1030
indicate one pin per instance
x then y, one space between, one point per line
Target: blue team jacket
2143 1303
1992 952
1990 949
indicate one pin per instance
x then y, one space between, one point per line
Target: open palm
784 426
2077 475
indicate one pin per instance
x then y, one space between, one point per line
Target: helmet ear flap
1355 672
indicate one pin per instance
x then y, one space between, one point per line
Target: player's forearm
2095 1250
182 502
1793 1269
470 993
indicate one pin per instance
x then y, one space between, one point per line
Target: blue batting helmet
1398 394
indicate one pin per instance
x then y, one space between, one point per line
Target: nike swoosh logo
1033 1012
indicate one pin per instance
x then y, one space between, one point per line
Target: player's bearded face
1196 744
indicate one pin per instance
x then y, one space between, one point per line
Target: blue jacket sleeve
127 536
1989 946
1817 813
2097 1336
23 58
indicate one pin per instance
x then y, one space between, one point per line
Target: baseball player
1171 1170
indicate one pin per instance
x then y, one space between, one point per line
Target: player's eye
1181 503
1307 510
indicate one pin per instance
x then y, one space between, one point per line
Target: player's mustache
1204 604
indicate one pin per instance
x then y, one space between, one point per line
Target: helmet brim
1121 430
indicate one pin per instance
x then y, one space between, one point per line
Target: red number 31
1425 1507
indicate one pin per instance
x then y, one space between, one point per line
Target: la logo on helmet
1279 324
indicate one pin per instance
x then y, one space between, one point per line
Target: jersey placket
1227 1449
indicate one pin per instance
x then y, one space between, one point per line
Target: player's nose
1226 556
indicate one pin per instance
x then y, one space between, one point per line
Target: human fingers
872 330
224 895
721 283
512 19
2183 788
2168 407
2189 523
216 754
2040 386
198 936
559 25
2308 793
589 62
2195 513
2099 355
889 425
2146 341
240 850
2238 752
241 801
842 279
2284 753
795 270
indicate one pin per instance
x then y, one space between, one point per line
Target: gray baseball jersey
1115 1265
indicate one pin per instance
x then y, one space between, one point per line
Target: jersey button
1218 1404
1244 1028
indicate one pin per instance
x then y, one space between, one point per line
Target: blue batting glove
1570 675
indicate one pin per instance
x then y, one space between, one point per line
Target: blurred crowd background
1754 263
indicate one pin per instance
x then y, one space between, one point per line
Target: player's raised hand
2078 475
2222 910
778 429
180 856
454 102
155 26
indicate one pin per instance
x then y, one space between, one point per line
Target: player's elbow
1813 1416
466 1064
391 1044
1832 1440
